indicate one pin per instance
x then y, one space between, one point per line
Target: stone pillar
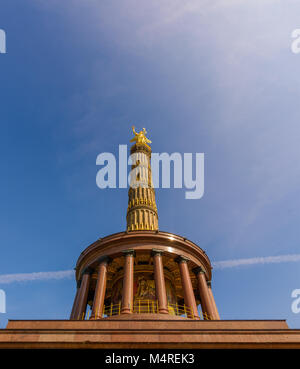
83 294
189 297
207 308
127 295
74 308
213 302
100 290
160 285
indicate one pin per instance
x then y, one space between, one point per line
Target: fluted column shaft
213 302
100 290
127 295
83 294
189 297
160 285
206 304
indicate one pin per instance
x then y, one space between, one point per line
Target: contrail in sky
64 274
39 276
254 261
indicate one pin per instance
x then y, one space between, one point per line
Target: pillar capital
104 259
87 270
181 259
129 252
198 270
157 252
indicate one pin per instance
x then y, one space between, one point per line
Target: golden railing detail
149 307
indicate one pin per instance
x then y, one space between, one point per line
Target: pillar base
125 311
93 317
163 311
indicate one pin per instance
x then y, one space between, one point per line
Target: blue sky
214 77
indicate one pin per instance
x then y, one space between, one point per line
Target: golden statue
140 138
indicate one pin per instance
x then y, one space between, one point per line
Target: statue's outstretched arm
133 130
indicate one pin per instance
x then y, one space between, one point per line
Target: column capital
198 270
181 259
129 252
157 252
105 259
87 270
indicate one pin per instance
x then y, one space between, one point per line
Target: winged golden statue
140 137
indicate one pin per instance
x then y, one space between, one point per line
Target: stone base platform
141 332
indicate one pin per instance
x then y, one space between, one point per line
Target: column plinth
160 285
127 295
